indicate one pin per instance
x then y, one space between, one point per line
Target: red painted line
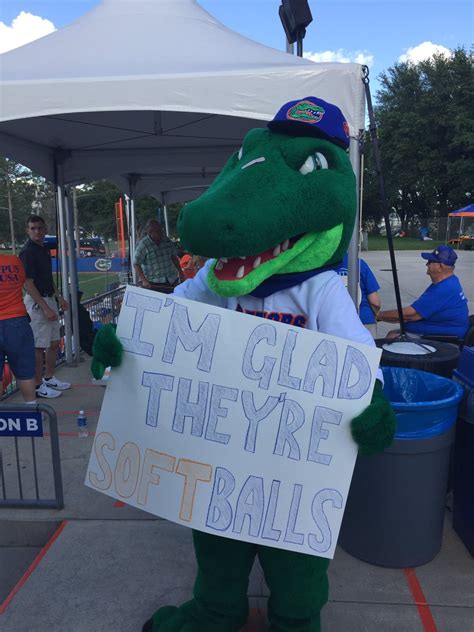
257 621
119 504
87 385
22 581
75 412
68 434
420 601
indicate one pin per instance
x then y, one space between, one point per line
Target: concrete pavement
100 565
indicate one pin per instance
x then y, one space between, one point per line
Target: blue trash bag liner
465 369
425 404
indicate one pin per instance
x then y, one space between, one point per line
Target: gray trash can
395 508
463 511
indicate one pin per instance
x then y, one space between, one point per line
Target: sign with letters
230 424
21 424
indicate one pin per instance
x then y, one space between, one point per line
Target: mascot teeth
230 269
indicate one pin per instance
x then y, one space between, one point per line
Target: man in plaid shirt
156 259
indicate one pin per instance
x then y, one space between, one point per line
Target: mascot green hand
373 430
275 224
107 350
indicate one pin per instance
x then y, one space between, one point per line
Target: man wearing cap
442 308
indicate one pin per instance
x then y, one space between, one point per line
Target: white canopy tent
154 94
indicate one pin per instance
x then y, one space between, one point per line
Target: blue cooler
463 512
395 509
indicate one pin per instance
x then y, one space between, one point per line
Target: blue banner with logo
21 424
96 264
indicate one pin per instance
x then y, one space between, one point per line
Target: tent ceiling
168 91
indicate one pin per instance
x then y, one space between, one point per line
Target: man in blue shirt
442 308
369 298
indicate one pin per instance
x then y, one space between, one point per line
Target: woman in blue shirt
369 298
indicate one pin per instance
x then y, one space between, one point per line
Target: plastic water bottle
82 425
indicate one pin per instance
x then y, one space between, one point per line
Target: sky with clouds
377 33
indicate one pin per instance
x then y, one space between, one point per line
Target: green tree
426 135
22 192
96 209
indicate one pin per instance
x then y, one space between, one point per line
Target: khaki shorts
45 331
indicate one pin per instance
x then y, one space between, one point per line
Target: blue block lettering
354 360
255 416
284 377
196 411
322 542
250 504
268 532
216 411
323 363
263 375
142 304
292 418
318 433
204 337
219 513
156 382
291 535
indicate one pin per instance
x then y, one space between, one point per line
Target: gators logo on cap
305 112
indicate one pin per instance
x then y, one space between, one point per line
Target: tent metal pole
353 252
64 262
127 212
383 198
165 214
133 232
129 238
76 346
77 231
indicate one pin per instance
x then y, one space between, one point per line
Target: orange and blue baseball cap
441 254
312 117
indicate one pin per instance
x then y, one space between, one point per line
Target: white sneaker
44 391
53 382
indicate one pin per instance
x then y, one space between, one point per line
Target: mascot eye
241 151
315 162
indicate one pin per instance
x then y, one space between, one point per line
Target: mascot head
284 203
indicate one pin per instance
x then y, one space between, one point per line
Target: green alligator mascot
274 224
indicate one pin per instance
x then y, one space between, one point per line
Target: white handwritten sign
231 424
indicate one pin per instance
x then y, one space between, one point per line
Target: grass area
92 283
402 243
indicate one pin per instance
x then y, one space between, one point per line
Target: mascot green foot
171 619
220 601
298 585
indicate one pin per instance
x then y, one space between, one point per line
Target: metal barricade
105 308
26 469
